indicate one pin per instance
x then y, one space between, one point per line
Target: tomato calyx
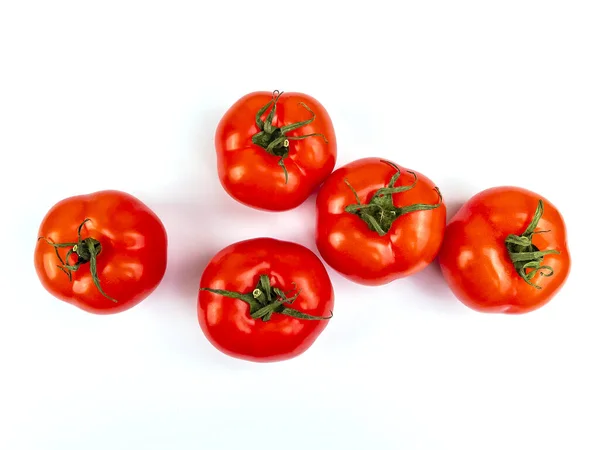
86 250
266 300
273 139
380 213
526 257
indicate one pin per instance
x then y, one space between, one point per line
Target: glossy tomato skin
132 261
348 245
226 321
251 175
476 264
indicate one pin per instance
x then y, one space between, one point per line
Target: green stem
526 257
266 300
380 213
87 251
274 139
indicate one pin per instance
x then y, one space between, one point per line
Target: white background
126 95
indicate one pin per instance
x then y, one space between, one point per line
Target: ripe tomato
264 300
103 252
377 222
505 251
274 149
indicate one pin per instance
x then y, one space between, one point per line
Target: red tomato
505 251
377 222
264 300
103 252
274 149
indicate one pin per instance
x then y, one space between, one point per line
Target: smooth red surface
131 264
476 264
251 175
348 245
226 321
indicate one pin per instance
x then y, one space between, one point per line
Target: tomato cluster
504 251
